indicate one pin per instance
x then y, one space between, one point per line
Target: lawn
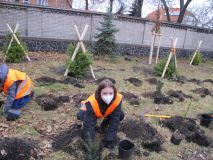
42 126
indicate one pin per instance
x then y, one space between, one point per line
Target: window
43 2
172 13
16 1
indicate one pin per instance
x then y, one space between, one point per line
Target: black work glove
109 144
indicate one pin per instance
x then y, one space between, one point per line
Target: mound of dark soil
50 102
189 129
152 81
208 80
62 99
17 149
196 81
74 82
143 133
149 95
134 81
178 94
63 140
162 99
77 98
203 92
131 98
45 80
159 98
101 79
71 141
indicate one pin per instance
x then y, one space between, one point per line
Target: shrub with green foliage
159 67
81 63
105 44
198 59
15 53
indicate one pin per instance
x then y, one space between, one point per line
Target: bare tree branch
111 6
204 14
182 11
166 9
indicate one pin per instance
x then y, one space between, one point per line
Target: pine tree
105 43
136 8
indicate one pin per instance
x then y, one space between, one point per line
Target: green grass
64 116
59 156
28 131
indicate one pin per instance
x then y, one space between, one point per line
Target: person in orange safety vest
105 104
19 90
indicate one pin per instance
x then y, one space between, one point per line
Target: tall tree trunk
111 6
139 10
87 5
181 4
166 9
182 12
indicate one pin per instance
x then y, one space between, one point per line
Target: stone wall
50 29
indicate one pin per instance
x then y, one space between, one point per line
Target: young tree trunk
166 9
182 12
87 5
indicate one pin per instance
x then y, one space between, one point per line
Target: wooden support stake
156 60
198 48
175 62
11 41
174 42
153 45
17 40
151 50
80 44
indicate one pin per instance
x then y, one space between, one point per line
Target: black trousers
80 116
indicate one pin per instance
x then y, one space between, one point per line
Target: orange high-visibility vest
96 108
24 88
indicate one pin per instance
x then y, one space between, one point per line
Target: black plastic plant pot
176 138
125 149
206 119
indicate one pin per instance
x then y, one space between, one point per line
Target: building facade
188 19
65 4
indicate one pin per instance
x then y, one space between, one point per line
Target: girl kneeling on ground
104 104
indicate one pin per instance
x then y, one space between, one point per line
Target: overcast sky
147 7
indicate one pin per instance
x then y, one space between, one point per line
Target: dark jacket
90 119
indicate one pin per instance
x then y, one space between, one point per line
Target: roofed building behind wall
188 19
66 4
